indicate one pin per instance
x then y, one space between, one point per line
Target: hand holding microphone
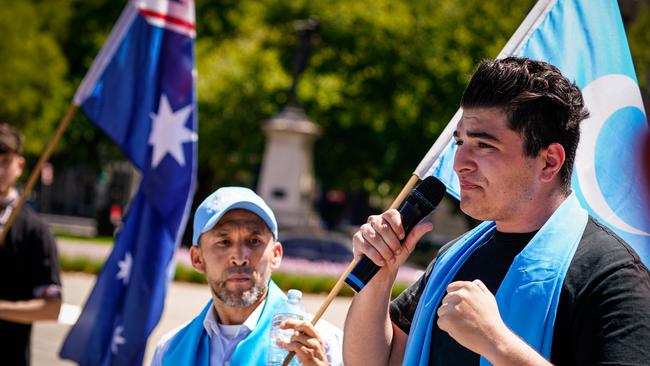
381 238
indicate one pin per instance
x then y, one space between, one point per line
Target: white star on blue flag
168 132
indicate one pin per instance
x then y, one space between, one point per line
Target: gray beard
239 299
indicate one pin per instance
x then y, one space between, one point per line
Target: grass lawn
101 240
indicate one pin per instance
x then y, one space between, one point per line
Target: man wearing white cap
235 243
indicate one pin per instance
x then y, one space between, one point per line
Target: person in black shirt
30 284
516 143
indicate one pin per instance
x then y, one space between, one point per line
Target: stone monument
286 179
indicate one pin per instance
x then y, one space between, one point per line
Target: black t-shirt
28 264
603 315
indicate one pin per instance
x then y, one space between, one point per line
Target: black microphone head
418 204
432 189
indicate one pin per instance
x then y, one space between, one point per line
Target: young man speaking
540 280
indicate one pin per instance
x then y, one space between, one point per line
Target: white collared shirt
224 338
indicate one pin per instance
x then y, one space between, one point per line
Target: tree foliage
639 40
32 69
384 78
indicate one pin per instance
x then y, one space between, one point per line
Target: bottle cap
294 295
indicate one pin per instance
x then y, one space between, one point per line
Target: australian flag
586 40
141 92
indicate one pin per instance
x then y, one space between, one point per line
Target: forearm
28 311
368 335
510 350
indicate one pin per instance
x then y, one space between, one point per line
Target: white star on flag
125 268
168 132
117 338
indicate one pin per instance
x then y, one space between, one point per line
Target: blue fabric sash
530 291
191 345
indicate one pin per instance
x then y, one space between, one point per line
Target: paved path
184 301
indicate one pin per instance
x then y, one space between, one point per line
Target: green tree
639 39
32 69
86 30
384 79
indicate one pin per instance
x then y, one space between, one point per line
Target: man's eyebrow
479 135
220 232
256 230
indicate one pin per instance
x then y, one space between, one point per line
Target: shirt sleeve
163 344
402 309
614 327
44 262
608 322
332 338
158 354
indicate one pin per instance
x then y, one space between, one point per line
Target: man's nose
463 160
240 255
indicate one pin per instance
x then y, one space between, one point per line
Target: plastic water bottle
292 308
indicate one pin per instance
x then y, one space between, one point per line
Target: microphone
422 200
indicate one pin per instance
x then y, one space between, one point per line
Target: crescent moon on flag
603 97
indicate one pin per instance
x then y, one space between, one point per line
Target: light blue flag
586 40
141 92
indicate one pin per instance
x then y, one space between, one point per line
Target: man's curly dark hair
11 142
540 103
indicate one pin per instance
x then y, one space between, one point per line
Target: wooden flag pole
337 287
37 171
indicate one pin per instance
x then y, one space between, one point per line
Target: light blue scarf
191 345
530 292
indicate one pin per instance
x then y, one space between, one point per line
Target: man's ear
21 163
277 255
553 158
197 259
